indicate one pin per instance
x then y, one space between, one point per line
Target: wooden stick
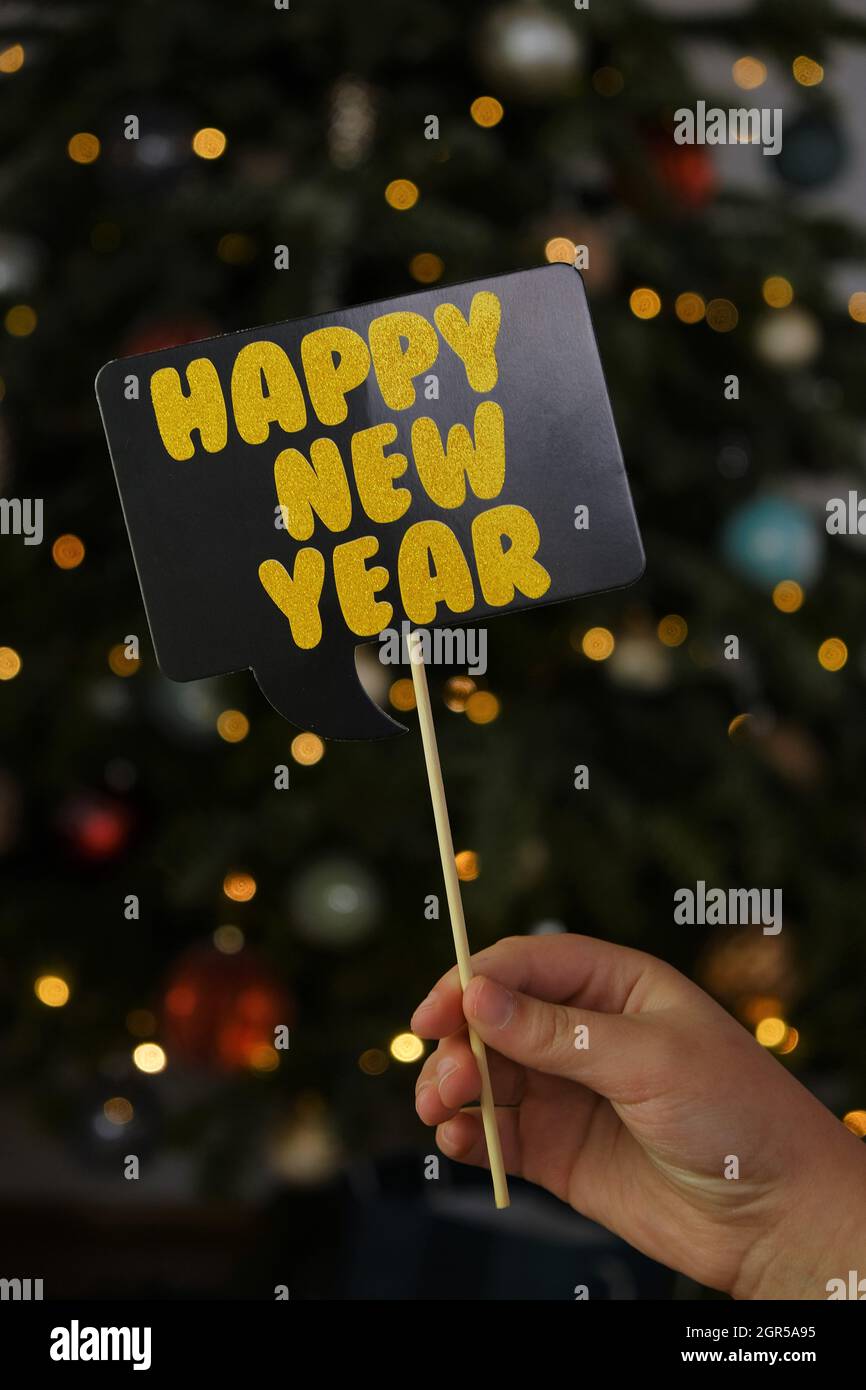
455 909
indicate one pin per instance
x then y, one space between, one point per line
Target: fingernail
421 1096
424 1006
492 1004
446 1136
446 1068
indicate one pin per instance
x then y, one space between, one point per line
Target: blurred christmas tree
160 891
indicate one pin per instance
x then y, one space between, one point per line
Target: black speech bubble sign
201 526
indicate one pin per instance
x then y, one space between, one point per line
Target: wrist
817 1233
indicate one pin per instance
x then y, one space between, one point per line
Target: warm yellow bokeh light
457 692
689 307
401 194
856 1122
857 306
722 315
777 291
760 1007
597 643
468 865
740 724
482 707
307 749
806 71
402 694
52 990
264 1057
10 663
241 888
644 303
406 1048
229 940
236 248
673 630
209 143
788 596
789 1042
141 1022
426 267
486 111
118 1110
373 1062
608 82
233 726
12 58
749 73
20 320
67 552
120 663
149 1057
770 1032
832 654
559 250
84 147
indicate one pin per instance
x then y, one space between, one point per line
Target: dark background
306 1168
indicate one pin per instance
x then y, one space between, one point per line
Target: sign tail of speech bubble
322 698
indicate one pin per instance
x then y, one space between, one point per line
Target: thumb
599 1050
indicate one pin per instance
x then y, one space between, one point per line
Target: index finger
592 974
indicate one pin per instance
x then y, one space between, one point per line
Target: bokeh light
118 1110
121 664
20 320
84 147
468 865
426 268
673 630
644 303
457 692
559 250
406 1048
482 707
722 315
209 143
240 888
232 726
307 749
777 291
857 306
10 663
486 111
770 1032
67 552
12 58
832 654
608 81
401 194
788 596
373 1062
689 307
149 1057
402 694
597 643
749 73
52 990
229 940
856 1122
807 71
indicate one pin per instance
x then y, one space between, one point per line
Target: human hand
636 1129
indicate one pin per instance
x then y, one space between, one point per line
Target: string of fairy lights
461 694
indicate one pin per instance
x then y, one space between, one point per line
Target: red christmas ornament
220 1011
96 827
163 333
686 171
